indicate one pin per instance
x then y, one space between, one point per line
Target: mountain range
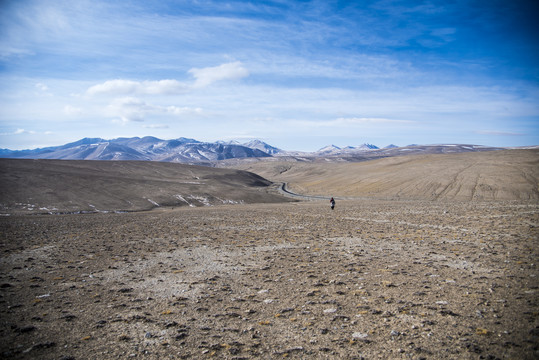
181 150
191 151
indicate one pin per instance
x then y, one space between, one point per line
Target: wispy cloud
18 132
128 109
127 87
72 110
42 87
499 133
207 76
352 121
156 126
203 77
355 120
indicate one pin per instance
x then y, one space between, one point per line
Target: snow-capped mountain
329 150
366 147
334 150
148 148
191 151
260 145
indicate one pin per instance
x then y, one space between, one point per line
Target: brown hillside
495 175
58 186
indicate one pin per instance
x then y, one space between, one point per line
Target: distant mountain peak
367 146
262 146
329 147
230 142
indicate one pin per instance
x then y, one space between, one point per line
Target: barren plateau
374 278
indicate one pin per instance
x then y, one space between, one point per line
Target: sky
298 75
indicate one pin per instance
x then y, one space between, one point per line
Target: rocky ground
371 279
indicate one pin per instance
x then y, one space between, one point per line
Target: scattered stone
218 303
124 337
26 329
360 336
448 312
38 346
68 317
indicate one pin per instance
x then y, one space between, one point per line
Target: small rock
171 324
360 336
68 317
26 329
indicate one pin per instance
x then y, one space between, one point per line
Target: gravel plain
371 279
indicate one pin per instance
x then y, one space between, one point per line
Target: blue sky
297 74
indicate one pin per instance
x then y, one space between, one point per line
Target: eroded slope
58 186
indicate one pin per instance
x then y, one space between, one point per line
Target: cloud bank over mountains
203 78
130 108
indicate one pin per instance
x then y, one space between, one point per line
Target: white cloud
203 77
182 110
499 133
340 122
156 126
72 110
355 120
129 109
125 87
209 75
18 132
42 90
42 87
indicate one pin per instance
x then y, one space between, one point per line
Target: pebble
360 335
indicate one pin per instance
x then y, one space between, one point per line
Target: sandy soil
371 279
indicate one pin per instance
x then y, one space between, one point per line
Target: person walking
332 201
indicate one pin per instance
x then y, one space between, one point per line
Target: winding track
283 189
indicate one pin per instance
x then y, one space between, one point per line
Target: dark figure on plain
332 201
